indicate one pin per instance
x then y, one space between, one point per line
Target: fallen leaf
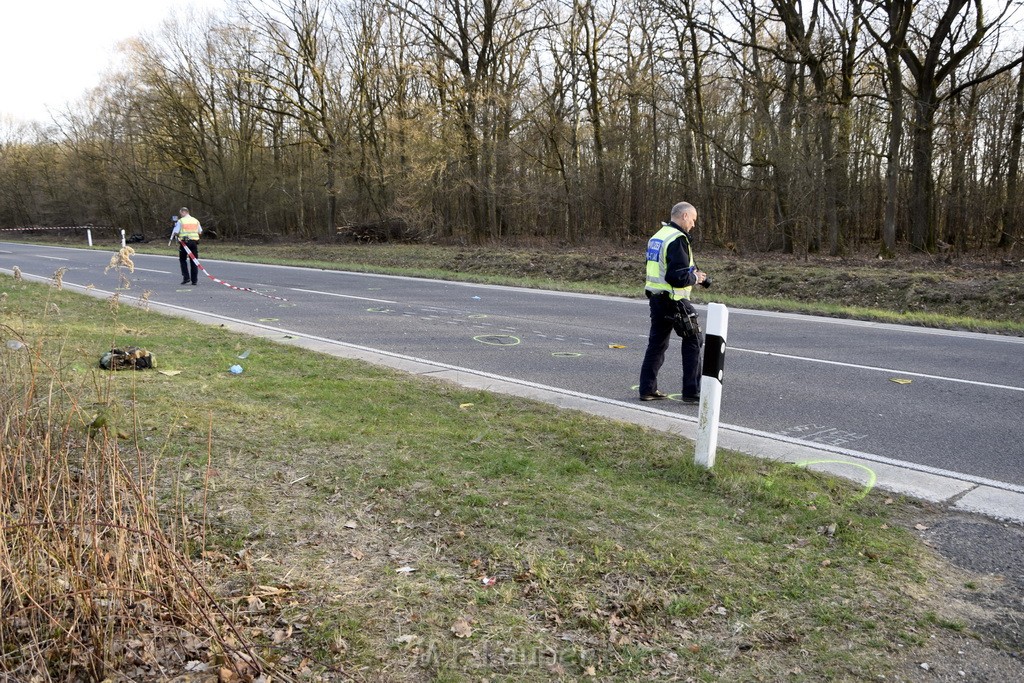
826 563
406 639
695 648
169 373
900 380
462 629
351 524
405 570
920 527
590 671
463 406
616 346
355 553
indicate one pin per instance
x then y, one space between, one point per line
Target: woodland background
824 126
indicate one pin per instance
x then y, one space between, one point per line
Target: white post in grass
122 239
711 385
88 235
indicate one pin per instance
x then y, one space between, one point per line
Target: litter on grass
129 358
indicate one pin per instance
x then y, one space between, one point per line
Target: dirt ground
984 599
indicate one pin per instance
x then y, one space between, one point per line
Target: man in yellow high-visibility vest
671 274
187 230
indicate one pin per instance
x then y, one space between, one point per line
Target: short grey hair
681 209
184 208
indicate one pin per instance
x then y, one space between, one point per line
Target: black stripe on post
714 357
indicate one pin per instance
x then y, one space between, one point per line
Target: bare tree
933 48
299 64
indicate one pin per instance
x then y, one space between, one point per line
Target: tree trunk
1012 203
922 185
892 169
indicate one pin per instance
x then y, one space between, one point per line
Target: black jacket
677 262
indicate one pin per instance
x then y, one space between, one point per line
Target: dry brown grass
95 583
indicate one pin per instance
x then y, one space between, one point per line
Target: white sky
53 51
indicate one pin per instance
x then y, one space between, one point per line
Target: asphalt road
820 380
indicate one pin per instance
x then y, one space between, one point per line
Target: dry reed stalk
144 299
122 259
92 580
58 277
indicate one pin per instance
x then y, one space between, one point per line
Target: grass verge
375 526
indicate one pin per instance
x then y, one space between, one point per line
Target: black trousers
189 269
662 309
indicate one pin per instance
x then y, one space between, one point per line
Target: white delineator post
88 234
711 385
122 239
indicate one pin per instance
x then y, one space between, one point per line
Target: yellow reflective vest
657 266
189 228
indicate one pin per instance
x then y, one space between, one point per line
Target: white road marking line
150 270
52 258
876 369
343 296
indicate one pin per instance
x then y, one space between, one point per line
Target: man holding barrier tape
671 274
187 229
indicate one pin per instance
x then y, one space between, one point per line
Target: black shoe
193 283
184 281
691 399
656 396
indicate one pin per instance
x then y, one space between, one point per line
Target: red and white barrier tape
221 282
65 227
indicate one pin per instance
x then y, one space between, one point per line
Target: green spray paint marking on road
872 477
671 397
